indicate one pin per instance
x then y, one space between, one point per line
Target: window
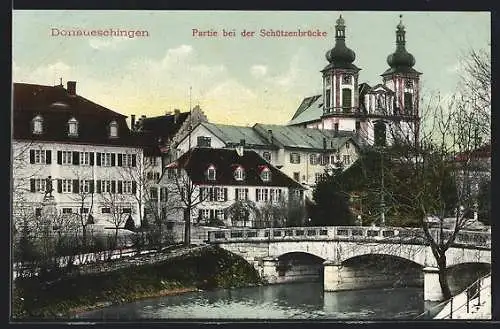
408 102
106 210
358 125
40 156
203 141
346 159
38 212
84 210
327 102
336 127
380 133
113 129
239 173
275 195
127 160
72 127
40 185
219 214
265 174
296 176
347 79
67 210
211 172
408 83
67 186
84 158
347 145
265 194
151 161
294 157
153 193
241 194
346 99
67 157
105 186
205 213
127 187
84 186
324 159
267 156
219 193
313 159
37 125
105 159
318 177
170 173
127 210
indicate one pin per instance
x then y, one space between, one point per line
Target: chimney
242 142
132 122
177 112
71 88
270 136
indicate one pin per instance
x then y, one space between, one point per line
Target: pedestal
269 272
49 208
432 288
331 277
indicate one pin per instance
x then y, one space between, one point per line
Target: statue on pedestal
48 188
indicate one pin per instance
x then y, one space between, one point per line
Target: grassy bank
207 268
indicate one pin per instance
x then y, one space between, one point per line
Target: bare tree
84 197
118 204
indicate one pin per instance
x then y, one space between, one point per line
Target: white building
377 114
95 163
301 153
221 177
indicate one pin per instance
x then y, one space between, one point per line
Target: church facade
379 114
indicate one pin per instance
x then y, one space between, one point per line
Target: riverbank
206 268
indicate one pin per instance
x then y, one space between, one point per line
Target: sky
235 80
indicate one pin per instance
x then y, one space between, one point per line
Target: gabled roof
483 152
197 160
382 86
311 109
232 135
165 126
56 107
304 138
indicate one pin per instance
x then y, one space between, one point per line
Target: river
283 301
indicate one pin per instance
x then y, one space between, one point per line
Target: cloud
110 43
48 74
258 71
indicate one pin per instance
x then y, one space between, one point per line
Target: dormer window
239 173
265 174
37 125
211 172
113 129
72 127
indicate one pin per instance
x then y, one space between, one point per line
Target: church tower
403 80
340 84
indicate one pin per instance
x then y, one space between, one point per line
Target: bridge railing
343 233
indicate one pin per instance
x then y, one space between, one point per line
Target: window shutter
32 185
212 216
91 160
113 159
59 186
91 186
59 157
76 186
120 187
246 194
162 194
113 186
120 160
225 213
134 187
200 214
256 194
48 157
98 158
32 156
98 186
76 158
225 194
202 189
211 194
134 160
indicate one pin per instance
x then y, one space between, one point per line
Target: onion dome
401 59
340 55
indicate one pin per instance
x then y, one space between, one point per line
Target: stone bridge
335 247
